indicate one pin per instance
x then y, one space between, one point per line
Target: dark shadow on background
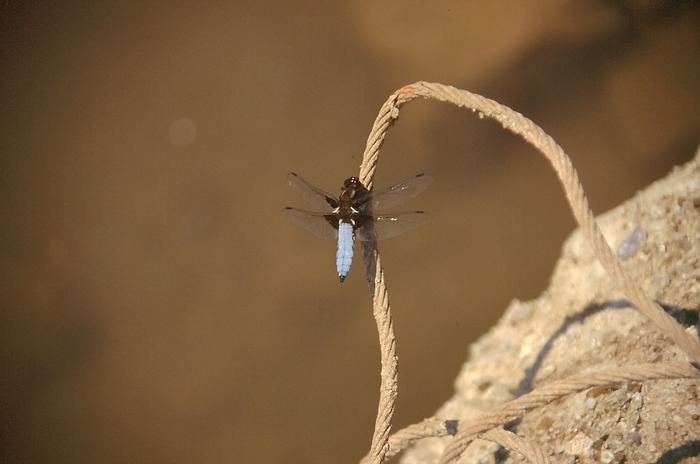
370 251
525 385
685 317
688 449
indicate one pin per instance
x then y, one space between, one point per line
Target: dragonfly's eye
354 183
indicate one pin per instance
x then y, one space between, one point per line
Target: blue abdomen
345 250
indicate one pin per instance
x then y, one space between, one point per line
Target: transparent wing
314 197
399 193
316 223
391 225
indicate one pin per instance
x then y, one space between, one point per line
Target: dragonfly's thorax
352 194
352 189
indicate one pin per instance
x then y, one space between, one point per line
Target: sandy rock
582 323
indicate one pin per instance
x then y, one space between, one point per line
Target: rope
518 124
515 409
467 430
389 373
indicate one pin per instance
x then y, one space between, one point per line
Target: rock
582 323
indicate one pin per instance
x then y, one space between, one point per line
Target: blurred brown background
155 306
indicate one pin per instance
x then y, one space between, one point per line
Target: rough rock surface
582 323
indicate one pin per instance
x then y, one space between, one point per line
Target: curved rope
511 441
515 409
466 430
518 124
388 389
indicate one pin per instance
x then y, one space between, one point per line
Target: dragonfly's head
352 182
351 187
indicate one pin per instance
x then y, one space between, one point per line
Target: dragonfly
351 214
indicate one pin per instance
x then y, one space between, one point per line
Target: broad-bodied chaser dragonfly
351 214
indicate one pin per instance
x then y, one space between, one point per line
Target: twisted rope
388 389
518 124
389 373
515 409
513 442
467 430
